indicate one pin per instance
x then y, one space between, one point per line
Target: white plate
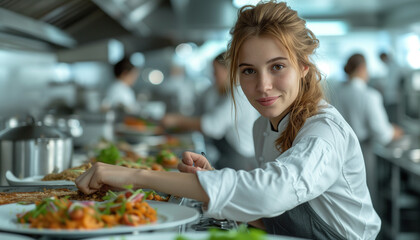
10 236
33 181
173 235
169 215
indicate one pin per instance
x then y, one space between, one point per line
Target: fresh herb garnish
109 155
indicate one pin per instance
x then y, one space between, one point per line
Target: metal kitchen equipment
34 150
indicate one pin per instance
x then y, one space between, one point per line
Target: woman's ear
305 70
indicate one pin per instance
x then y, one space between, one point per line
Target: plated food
167 159
32 197
126 208
120 155
69 174
169 215
135 126
142 125
37 196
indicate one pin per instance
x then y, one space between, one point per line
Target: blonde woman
311 178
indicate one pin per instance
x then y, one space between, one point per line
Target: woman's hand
102 175
193 162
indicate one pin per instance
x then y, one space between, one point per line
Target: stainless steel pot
34 150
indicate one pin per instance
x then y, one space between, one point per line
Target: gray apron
371 169
301 221
230 158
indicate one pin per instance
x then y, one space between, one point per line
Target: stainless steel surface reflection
413 155
206 223
408 147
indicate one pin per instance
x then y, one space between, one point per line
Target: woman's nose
264 82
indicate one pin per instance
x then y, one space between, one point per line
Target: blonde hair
278 21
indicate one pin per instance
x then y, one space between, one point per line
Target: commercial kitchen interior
56 57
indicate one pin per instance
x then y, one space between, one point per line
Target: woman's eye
277 67
248 71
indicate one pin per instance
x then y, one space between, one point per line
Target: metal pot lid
31 132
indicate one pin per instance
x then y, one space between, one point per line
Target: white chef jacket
363 109
390 83
118 94
324 167
219 120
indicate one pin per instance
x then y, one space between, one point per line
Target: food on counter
174 142
126 208
32 197
130 159
109 155
142 125
126 158
112 155
152 195
167 158
243 233
69 174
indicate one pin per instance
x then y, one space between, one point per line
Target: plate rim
192 216
14 181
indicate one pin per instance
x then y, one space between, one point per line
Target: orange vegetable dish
128 208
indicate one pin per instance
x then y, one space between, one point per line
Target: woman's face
267 77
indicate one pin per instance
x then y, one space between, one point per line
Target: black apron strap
301 221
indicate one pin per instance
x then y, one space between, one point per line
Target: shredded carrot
65 214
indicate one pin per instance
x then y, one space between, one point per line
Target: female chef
311 181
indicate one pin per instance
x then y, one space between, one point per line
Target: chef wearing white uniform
120 94
322 175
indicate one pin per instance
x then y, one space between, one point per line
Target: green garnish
164 154
242 233
109 155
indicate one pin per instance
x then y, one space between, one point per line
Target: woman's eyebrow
276 59
269 61
244 64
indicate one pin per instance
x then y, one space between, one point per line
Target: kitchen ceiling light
328 28
156 77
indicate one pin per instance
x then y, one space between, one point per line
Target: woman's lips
267 101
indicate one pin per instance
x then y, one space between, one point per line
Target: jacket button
261 158
265 134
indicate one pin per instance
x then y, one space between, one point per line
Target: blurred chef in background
362 107
230 132
177 91
391 86
120 94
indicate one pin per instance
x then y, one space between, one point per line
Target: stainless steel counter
402 159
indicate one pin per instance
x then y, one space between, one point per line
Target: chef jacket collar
281 125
